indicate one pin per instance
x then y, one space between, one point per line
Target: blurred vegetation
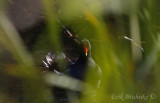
127 70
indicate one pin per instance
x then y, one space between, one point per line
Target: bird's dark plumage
56 62
85 64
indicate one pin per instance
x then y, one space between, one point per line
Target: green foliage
127 70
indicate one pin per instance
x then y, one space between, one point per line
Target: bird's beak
86 54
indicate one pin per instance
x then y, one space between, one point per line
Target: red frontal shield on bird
85 45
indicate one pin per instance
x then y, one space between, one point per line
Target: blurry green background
31 28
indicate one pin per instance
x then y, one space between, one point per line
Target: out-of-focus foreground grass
129 73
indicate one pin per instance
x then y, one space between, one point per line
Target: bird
56 62
85 64
77 69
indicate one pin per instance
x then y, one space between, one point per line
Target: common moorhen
86 65
56 62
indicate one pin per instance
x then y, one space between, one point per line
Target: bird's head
86 47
